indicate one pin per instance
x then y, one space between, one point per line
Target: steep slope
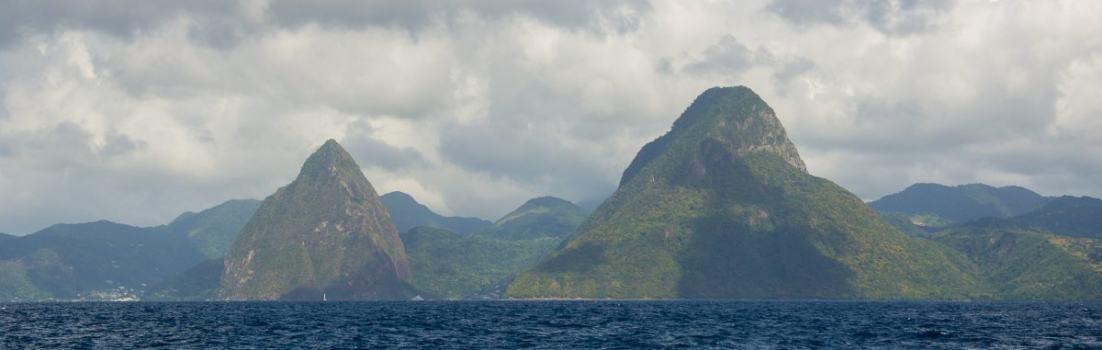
541 217
960 203
80 261
722 207
407 213
1031 264
325 234
213 230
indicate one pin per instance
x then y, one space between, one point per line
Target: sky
136 111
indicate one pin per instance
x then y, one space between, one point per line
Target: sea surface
552 324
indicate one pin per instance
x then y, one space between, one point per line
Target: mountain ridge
407 213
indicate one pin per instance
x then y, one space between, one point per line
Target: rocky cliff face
326 233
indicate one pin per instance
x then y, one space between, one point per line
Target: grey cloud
123 18
728 56
897 17
119 144
223 24
521 156
370 152
790 69
415 14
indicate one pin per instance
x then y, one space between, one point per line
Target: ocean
552 325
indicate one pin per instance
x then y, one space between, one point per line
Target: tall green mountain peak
733 116
325 234
721 206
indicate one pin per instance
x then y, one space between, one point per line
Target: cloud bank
135 111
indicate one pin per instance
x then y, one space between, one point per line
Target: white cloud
476 106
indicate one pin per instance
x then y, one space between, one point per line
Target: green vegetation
325 234
544 217
15 285
918 225
1029 264
721 207
199 283
213 230
452 266
74 261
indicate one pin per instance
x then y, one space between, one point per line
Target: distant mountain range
104 260
721 206
407 213
961 203
1025 245
1066 216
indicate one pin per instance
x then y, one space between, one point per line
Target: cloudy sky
135 111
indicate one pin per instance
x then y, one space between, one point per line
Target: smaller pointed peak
330 146
330 158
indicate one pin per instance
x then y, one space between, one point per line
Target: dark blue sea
552 324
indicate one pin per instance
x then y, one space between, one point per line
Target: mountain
538 218
96 260
1065 216
407 213
723 207
103 260
934 205
1052 253
199 283
1025 264
449 265
213 230
16 284
326 234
